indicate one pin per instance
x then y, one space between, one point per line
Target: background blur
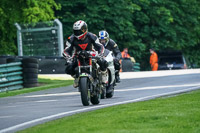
136 24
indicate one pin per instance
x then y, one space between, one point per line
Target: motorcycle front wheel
84 87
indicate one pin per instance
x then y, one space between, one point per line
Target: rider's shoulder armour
71 38
92 36
112 43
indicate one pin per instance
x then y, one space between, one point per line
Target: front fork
95 87
90 89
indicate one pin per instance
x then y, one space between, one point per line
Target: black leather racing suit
112 46
91 42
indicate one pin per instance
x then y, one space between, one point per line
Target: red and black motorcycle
89 77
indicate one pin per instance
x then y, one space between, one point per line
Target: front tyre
84 85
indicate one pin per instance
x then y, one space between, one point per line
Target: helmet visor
103 41
102 37
78 32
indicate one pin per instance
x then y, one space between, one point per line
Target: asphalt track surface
23 111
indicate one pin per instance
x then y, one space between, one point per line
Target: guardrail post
60 37
19 39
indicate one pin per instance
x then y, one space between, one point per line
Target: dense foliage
140 24
169 25
136 24
21 11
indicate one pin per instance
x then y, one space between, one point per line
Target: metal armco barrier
11 76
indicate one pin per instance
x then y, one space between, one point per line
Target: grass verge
179 114
45 84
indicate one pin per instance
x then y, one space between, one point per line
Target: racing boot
104 77
117 78
76 80
75 85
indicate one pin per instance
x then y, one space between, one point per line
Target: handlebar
85 54
92 54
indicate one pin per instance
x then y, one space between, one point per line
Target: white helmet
103 35
80 29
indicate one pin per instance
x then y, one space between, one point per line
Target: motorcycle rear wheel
95 99
84 85
103 94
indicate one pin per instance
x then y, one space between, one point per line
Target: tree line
135 24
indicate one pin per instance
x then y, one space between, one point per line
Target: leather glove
68 61
100 55
66 56
116 60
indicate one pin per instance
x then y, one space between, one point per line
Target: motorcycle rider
81 39
112 46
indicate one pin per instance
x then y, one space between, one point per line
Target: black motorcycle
89 77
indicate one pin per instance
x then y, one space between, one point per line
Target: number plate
170 65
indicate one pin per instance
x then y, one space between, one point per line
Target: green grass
178 114
44 84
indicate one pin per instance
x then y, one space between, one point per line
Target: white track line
1 117
45 101
157 87
117 90
55 94
90 108
127 75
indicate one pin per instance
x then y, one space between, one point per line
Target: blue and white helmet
103 35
